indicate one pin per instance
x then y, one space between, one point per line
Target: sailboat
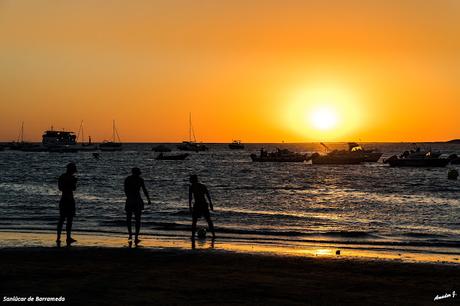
191 145
112 145
21 145
89 146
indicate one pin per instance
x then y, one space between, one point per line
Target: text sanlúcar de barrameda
33 299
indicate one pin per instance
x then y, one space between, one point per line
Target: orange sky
249 70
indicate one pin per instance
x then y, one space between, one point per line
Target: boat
161 156
21 145
370 156
191 145
337 157
88 146
112 145
236 145
280 155
417 159
161 148
59 141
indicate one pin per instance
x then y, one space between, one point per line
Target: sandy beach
171 276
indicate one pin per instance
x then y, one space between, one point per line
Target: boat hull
337 160
372 157
279 159
193 147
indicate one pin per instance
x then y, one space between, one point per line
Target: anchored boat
279 155
112 145
236 145
191 145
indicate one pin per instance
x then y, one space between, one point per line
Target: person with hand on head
134 203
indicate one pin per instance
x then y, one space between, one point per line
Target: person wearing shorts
199 193
134 203
67 184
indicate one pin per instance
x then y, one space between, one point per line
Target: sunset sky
260 71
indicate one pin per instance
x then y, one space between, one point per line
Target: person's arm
60 183
146 193
74 183
190 198
125 189
209 199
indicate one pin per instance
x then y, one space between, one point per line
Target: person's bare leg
59 229
137 217
128 223
194 220
68 229
211 226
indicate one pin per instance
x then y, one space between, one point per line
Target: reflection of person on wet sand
134 202
67 184
200 208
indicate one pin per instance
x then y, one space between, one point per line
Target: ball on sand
201 233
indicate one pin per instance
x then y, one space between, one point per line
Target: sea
287 203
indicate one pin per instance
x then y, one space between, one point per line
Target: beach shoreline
321 249
124 276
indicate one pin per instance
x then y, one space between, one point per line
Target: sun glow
324 118
323 113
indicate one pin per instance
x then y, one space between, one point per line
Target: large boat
417 160
59 141
370 156
112 145
236 145
337 157
191 145
280 155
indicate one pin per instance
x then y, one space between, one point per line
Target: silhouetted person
199 192
134 202
67 184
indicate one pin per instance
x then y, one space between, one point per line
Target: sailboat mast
190 127
113 130
22 132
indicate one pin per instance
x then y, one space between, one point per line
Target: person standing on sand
200 208
134 202
67 184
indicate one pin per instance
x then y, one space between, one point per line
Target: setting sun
324 118
324 113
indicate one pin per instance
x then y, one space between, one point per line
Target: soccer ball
201 233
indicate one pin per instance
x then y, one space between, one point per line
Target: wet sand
123 276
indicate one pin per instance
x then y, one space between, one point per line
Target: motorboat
280 155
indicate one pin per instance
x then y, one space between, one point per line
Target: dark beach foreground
110 276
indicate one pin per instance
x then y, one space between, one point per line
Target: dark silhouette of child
67 184
199 192
134 202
